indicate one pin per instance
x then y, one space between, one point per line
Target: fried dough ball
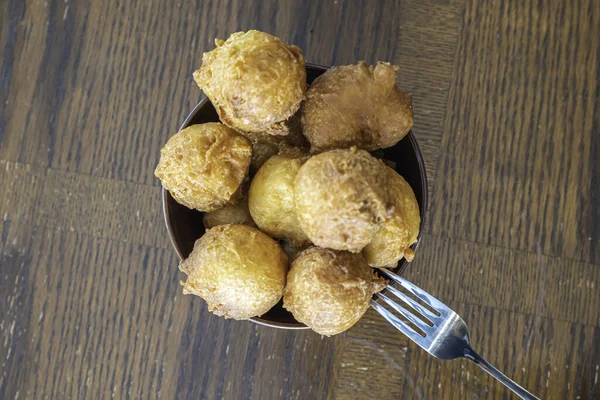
341 199
204 165
271 199
329 290
239 271
356 105
255 81
398 232
237 213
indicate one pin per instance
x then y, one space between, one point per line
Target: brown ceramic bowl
185 226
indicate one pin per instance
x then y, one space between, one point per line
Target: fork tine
418 292
397 323
406 313
414 305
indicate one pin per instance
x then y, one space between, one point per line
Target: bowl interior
185 226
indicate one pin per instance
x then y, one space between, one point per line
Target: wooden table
507 105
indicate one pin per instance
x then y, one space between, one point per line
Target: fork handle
500 377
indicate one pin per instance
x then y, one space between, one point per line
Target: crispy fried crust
341 199
255 81
237 269
398 232
356 105
204 165
329 290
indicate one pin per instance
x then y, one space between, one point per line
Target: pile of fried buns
295 205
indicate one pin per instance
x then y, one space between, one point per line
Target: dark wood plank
512 280
521 150
557 360
105 318
15 304
99 87
77 329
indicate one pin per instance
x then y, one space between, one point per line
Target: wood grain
557 359
511 280
102 207
520 166
23 185
427 38
117 325
15 307
507 115
140 57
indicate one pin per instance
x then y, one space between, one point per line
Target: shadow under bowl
185 226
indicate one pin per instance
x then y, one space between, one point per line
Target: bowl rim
401 268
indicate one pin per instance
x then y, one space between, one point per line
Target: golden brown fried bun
341 199
398 232
237 213
356 105
237 269
255 81
271 199
329 290
204 165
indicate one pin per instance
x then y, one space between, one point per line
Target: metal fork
447 335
